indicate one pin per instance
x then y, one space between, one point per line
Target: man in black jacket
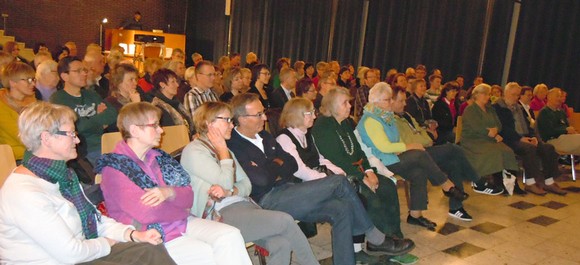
520 137
330 199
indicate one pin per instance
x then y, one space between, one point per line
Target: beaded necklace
346 149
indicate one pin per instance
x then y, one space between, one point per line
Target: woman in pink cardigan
147 188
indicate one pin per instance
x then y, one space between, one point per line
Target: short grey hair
45 67
42 117
510 86
329 103
380 88
482 88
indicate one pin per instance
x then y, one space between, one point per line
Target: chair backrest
7 162
173 138
575 121
458 129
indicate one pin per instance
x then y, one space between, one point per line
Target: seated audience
418 106
325 84
17 94
41 57
235 59
96 80
151 65
382 203
286 90
519 136
222 188
218 82
554 127
165 90
247 78
378 131
483 143
445 112
178 55
178 67
147 187
496 93
60 52
299 68
321 67
72 47
371 77
93 113
305 89
11 47
449 157
47 78
434 90
539 100
196 58
45 217
234 84
259 84
330 199
309 71
204 75
123 87
40 47
525 99
251 60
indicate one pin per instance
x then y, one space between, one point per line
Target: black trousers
535 158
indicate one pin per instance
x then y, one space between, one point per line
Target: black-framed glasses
227 119
78 71
152 125
71 134
257 115
30 80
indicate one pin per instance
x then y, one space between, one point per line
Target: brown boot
535 189
554 188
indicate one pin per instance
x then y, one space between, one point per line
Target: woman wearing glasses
222 189
45 217
259 84
18 92
146 187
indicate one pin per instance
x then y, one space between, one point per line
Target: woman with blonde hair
540 97
151 65
145 186
221 187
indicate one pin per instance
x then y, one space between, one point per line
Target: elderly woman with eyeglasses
18 92
146 187
45 218
222 190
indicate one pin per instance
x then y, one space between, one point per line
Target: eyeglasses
152 125
78 71
310 113
208 75
29 80
227 119
257 115
265 73
71 134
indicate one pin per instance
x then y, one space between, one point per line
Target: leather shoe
392 246
535 189
518 190
455 193
554 188
421 221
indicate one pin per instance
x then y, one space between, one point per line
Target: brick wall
58 21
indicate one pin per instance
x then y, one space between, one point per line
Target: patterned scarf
173 174
56 171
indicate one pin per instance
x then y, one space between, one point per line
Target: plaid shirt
195 97
361 99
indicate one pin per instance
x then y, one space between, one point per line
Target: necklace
346 149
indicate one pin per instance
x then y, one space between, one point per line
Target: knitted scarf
56 171
173 174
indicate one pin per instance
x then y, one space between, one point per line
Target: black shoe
460 214
456 194
421 221
392 246
486 188
518 190
362 257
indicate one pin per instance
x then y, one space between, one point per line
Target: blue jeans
331 199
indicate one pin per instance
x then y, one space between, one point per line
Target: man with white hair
46 78
520 137
95 63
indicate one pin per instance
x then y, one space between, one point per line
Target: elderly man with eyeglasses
330 199
93 113
202 92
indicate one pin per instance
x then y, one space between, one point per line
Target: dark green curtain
444 34
345 45
497 40
206 29
546 48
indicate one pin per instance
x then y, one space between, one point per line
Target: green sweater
89 124
551 123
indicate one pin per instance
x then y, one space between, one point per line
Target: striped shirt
196 96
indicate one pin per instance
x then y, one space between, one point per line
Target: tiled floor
505 230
